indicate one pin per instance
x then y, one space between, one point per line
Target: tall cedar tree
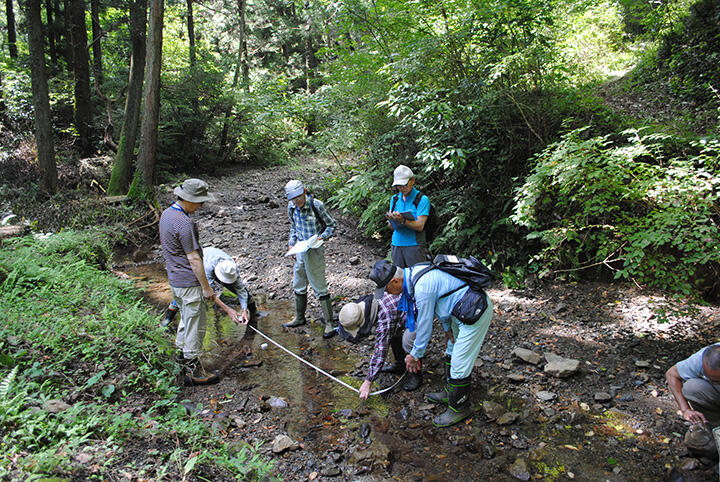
145 174
81 69
96 42
41 100
242 63
12 36
51 16
122 168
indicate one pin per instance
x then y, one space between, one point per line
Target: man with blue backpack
451 290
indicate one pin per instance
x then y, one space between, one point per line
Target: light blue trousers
310 267
468 341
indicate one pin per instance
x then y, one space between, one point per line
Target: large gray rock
560 367
492 409
55 406
526 355
376 453
282 443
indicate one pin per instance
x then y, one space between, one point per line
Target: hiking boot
458 404
170 313
300 306
326 305
413 382
195 374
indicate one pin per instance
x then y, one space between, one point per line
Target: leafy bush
631 207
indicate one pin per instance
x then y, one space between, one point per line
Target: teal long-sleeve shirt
428 290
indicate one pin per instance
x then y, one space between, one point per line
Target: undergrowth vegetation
87 381
630 203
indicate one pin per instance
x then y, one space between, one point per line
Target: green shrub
627 206
74 333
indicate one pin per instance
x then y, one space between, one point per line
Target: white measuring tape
378 392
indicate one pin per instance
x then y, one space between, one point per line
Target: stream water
393 431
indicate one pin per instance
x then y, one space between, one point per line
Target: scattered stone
602 397
330 471
516 377
545 395
282 443
549 412
690 464
507 418
55 406
492 409
355 260
561 367
626 398
479 363
427 406
276 402
519 469
238 422
642 363
526 355
376 453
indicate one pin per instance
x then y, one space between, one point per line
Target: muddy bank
611 419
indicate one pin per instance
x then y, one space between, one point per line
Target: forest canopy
557 138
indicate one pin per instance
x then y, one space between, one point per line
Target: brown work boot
195 374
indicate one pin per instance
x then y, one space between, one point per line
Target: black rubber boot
442 395
195 374
170 313
414 380
326 306
399 354
252 307
458 404
300 306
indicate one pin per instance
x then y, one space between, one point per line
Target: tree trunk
241 64
122 168
81 69
96 41
145 173
68 37
51 31
12 36
41 100
191 32
311 65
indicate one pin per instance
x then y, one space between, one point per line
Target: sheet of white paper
302 246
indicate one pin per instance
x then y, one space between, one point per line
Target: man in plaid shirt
390 331
309 217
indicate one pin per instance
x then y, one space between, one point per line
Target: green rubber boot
458 404
442 395
326 305
300 306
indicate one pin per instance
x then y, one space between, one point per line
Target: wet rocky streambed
609 418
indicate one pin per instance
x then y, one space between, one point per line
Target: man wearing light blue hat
309 217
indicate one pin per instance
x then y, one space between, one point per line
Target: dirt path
614 419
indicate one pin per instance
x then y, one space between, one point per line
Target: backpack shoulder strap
394 201
413 281
417 199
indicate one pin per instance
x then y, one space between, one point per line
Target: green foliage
690 52
634 207
76 334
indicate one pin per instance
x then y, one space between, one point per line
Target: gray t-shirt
691 367
179 236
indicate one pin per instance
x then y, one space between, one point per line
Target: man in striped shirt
309 217
186 274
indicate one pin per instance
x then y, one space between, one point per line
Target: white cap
351 317
402 175
294 189
226 271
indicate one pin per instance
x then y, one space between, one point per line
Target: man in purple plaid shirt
390 330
